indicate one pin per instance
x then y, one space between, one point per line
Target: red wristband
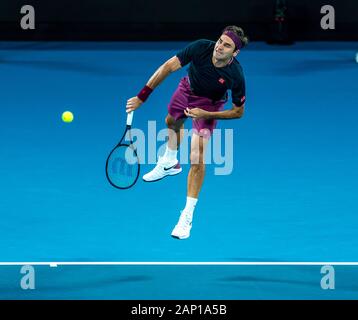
144 93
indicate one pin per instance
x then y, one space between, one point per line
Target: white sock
170 154
190 205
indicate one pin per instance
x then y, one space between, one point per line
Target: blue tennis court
291 196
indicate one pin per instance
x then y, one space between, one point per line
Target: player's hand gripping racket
122 166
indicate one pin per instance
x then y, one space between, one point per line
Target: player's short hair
240 33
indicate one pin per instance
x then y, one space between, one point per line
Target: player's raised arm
171 65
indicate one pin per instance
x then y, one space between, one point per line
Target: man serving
201 95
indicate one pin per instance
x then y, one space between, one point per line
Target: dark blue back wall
170 20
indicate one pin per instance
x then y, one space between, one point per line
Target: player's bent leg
168 164
175 131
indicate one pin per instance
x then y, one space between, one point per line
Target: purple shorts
184 98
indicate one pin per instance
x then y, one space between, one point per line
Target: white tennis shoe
183 227
162 169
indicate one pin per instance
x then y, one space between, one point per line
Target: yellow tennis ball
67 116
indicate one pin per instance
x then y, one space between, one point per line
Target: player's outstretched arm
171 65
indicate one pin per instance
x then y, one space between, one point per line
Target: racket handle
130 118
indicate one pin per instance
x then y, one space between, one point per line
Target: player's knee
197 159
169 120
198 168
172 124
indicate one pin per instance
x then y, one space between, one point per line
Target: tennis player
201 95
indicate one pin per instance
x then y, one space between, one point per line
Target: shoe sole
167 175
180 238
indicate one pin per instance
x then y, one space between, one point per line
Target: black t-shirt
206 80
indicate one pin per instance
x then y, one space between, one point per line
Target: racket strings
123 166
120 167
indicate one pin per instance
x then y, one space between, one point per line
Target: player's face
224 48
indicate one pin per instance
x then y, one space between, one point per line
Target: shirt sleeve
189 53
238 92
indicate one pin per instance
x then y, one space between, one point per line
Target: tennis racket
122 165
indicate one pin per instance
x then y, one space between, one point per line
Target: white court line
178 263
